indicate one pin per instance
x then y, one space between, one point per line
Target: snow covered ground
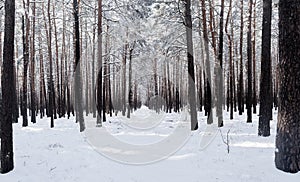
64 154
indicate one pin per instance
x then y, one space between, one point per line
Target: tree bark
241 79
100 66
6 134
58 108
230 45
26 29
249 64
265 82
78 79
218 71
191 71
287 155
254 58
32 69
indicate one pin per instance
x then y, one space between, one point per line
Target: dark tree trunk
265 82
249 64
218 71
32 70
78 79
6 134
287 156
241 79
207 82
124 60
130 92
43 95
57 104
100 67
63 67
93 96
230 45
25 69
51 94
191 71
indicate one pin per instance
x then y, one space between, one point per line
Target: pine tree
241 79
78 79
100 68
265 84
6 134
218 71
287 155
26 29
249 64
191 71
32 69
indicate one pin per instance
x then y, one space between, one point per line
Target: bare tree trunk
100 66
26 29
124 60
1 52
6 134
32 69
207 82
62 68
130 92
230 43
265 84
249 64
43 94
87 73
254 58
218 72
241 79
191 71
58 108
287 152
93 69
50 84
78 79
67 75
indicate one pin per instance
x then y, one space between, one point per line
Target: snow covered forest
192 89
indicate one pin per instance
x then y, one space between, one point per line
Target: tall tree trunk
26 29
58 108
230 45
1 52
93 69
43 94
207 80
87 72
191 71
100 66
50 84
32 69
6 134
254 58
130 91
287 153
249 64
199 70
63 66
265 82
218 71
78 79
241 79
124 60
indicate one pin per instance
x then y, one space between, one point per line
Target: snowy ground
64 154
